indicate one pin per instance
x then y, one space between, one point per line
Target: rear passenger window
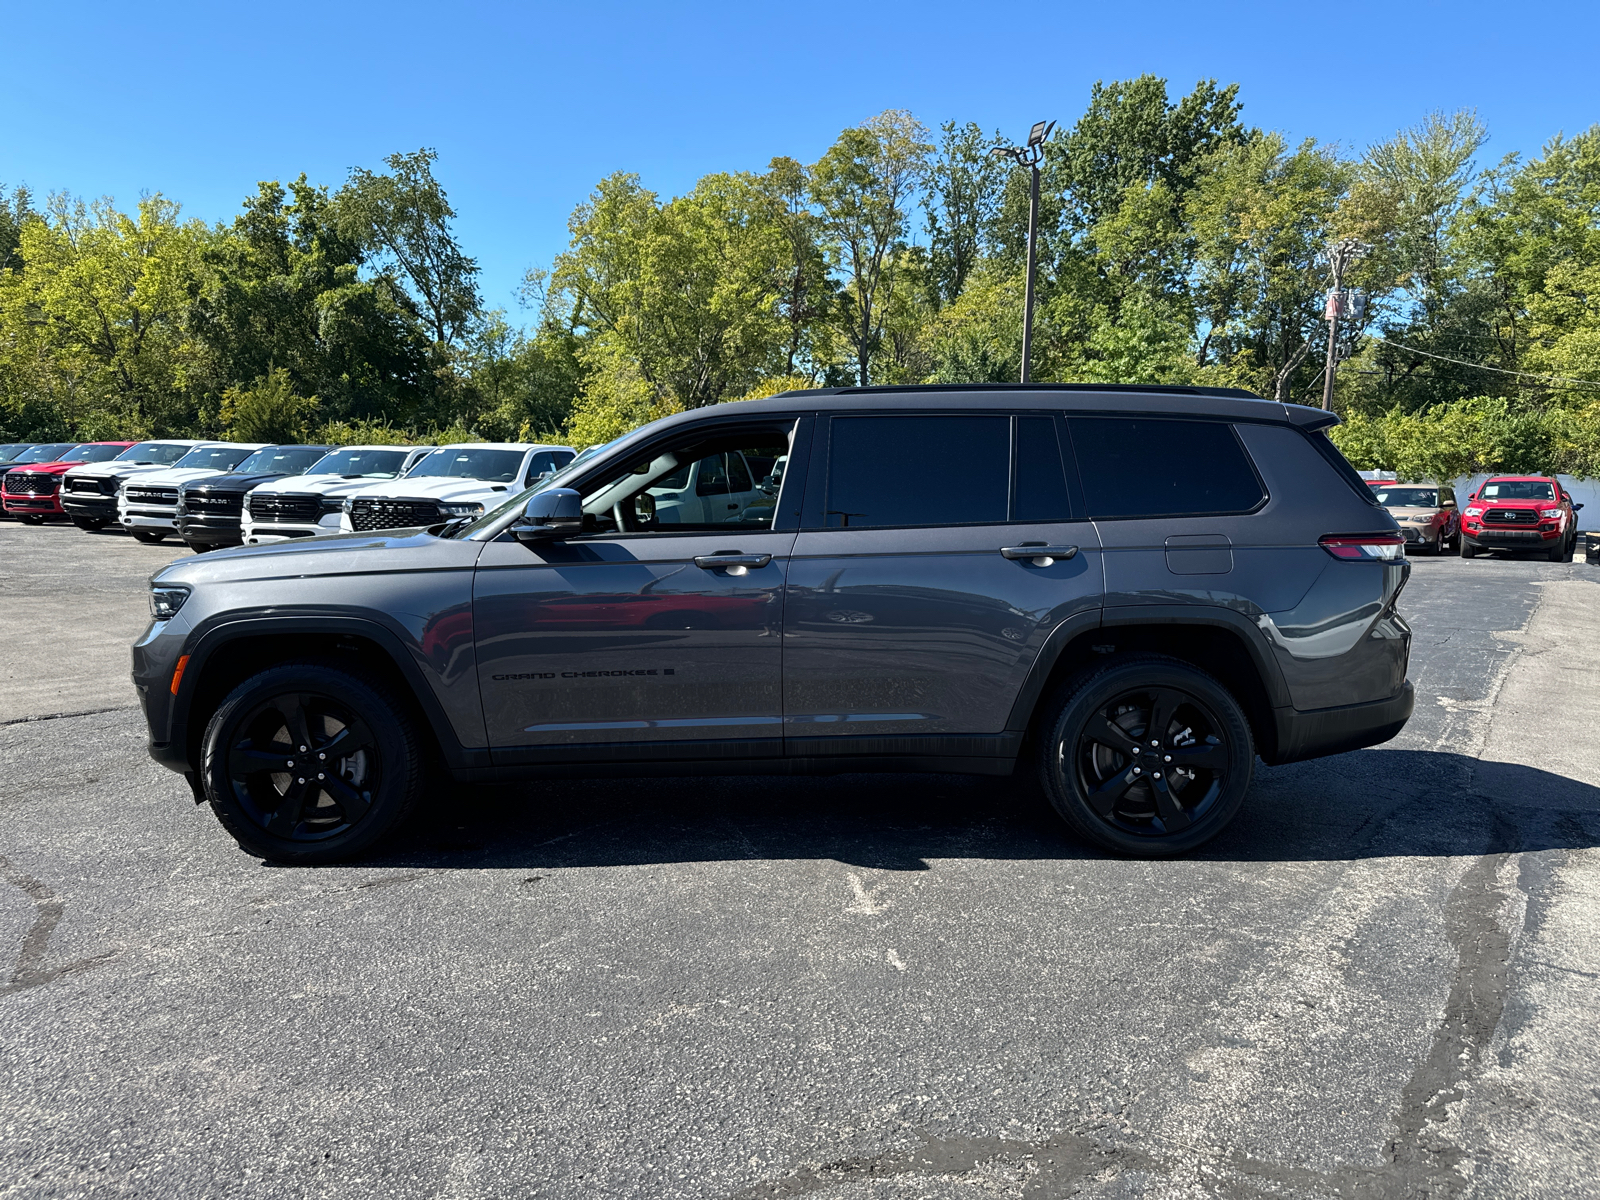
1162 467
918 470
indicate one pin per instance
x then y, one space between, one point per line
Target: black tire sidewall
1089 691
399 762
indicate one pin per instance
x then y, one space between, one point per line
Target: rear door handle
1041 554
711 562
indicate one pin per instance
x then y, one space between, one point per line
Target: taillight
1364 545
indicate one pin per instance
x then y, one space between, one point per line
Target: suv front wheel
1148 756
307 764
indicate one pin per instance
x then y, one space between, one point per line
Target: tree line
1177 244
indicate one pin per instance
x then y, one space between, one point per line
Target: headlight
461 510
1474 512
244 505
1549 513
166 600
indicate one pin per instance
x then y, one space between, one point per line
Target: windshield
92 454
216 458
281 460
159 453
512 503
1407 497
51 452
11 450
491 466
383 464
1517 489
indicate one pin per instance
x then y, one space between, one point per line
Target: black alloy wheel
1148 756
308 764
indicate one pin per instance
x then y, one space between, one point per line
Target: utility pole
1338 256
1029 156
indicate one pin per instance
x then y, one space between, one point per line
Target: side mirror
549 516
1447 504
1576 507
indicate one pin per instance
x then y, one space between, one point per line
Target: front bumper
261 533
1319 732
211 531
150 518
97 508
28 505
1489 538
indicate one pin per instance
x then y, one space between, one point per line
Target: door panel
625 639
904 632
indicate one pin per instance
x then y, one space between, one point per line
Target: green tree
403 220
965 185
267 411
864 187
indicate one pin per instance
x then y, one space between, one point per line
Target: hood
118 470
1407 511
332 554
319 485
451 489
1493 503
232 481
173 476
55 468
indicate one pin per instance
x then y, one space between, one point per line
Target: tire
1558 552
1572 547
375 785
30 519
89 524
148 536
1099 720
1468 550
198 547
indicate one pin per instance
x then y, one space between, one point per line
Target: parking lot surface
1381 981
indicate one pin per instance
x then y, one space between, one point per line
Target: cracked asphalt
1381 982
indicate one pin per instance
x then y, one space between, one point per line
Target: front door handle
736 563
1039 553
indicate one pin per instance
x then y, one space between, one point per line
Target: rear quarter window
1163 467
1335 458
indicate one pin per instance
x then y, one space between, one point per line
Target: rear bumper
1319 732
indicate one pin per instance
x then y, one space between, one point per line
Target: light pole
1029 156
1338 256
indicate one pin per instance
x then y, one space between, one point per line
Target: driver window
705 485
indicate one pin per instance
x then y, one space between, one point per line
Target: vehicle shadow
1364 804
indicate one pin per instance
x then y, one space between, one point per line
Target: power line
1461 362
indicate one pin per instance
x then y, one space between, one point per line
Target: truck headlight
461 510
166 600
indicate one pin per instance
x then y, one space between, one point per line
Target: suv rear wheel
307 764
1147 756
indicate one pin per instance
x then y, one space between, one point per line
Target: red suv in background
33 492
1520 512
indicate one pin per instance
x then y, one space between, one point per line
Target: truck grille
372 513
212 504
90 485
285 509
1511 516
29 483
160 497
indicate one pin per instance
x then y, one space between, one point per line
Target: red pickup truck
1520 512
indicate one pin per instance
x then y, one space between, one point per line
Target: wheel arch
1219 641
226 655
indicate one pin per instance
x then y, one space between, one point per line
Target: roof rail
1166 388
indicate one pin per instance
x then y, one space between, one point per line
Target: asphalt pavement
1381 981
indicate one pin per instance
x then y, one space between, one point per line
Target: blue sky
529 104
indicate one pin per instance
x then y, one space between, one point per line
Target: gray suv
1128 592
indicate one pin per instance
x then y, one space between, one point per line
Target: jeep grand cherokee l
1129 593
